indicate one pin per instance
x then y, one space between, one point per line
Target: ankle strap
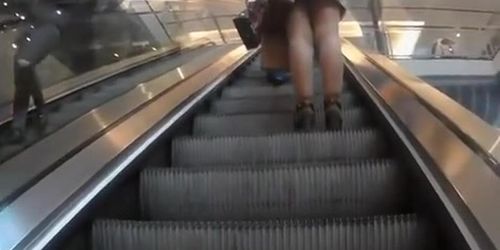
332 101
306 104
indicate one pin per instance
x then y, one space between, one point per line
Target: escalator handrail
478 134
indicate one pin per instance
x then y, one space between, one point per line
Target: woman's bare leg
301 51
326 16
325 20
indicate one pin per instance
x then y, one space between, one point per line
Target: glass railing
452 45
407 32
103 33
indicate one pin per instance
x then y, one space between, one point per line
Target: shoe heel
304 117
333 115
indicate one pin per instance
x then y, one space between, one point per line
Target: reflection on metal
495 145
98 118
179 70
142 88
72 186
476 184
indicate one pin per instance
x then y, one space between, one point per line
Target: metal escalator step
257 91
252 81
399 232
262 91
254 76
254 73
309 191
270 104
280 148
266 124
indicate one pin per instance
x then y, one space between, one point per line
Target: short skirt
340 4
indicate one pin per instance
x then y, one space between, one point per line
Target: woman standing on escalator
314 24
290 33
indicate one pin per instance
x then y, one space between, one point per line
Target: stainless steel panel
484 134
475 182
68 189
39 158
485 138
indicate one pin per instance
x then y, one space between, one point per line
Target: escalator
242 178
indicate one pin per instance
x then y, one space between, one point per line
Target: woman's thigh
325 16
299 24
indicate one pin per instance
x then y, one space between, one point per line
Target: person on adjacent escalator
314 24
277 77
48 20
32 47
268 21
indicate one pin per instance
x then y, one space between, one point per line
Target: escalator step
255 73
262 91
252 81
328 190
399 232
257 91
268 104
266 124
281 148
254 76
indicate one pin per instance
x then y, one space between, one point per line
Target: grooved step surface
266 124
284 148
271 104
328 190
262 91
403 232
